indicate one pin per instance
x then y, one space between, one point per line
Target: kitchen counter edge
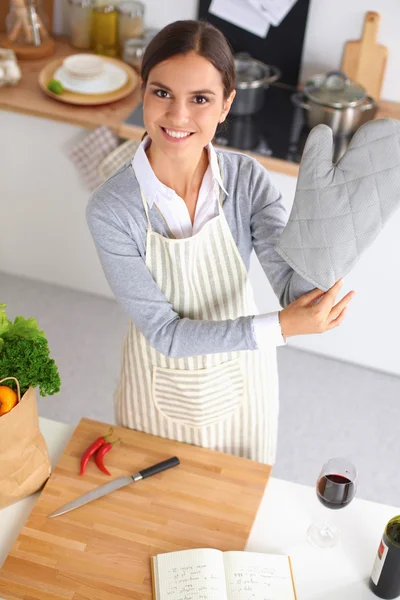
27 98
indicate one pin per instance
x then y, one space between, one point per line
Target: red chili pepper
100 456
92 449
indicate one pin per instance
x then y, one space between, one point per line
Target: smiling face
183 102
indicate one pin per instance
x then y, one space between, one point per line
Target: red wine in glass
335 491
336 488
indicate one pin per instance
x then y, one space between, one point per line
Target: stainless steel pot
334 100
253 77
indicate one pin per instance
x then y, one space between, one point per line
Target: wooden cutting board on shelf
364 61
47 7
102 550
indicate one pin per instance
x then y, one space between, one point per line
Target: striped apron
226 401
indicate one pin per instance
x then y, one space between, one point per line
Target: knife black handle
165 464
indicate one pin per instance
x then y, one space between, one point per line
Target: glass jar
149 33
80 21
105 30
134 49
130 25
133 52
26 24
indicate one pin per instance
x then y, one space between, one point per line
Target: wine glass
336 488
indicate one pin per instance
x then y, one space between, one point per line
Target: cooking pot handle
274 75
368 103
298 100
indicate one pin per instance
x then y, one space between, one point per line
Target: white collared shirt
267 329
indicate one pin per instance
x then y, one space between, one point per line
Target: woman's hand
306 315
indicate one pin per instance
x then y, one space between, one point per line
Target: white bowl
84 66
113 78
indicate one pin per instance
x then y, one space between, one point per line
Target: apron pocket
198 397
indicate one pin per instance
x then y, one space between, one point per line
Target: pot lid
249 72
334 89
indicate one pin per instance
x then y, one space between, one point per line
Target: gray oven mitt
340 209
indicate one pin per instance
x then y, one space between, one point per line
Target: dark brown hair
182 37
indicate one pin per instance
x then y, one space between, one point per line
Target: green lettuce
24 354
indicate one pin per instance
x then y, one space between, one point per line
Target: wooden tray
47 73
31 52
102 550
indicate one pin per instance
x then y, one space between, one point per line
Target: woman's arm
268 219
138 293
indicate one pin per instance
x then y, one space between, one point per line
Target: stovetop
278 130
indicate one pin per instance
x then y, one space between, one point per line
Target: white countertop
285 513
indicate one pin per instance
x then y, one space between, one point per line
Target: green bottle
385 576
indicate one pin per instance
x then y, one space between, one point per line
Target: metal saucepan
253 77
334 100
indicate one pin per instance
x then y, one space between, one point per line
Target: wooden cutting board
364 61
102 550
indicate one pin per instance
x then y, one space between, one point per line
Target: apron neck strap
221 193
146 210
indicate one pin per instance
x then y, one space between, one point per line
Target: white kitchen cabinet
43 203
44 236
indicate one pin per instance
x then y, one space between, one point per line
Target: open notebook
208 574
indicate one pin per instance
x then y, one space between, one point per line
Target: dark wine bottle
385 576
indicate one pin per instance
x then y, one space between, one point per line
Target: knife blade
120 482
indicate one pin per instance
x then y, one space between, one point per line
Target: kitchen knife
120 482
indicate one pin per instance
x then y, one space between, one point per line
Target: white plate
112 79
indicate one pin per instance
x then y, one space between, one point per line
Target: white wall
333 22
330 24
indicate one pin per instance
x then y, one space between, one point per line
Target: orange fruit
8 399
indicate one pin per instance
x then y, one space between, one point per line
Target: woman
174 231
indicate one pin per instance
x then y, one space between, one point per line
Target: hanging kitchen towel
117 159
340 209
88 154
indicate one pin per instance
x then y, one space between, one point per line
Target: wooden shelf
28 98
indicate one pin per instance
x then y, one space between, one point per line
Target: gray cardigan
256 217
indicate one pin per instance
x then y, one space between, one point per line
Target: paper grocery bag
24 459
